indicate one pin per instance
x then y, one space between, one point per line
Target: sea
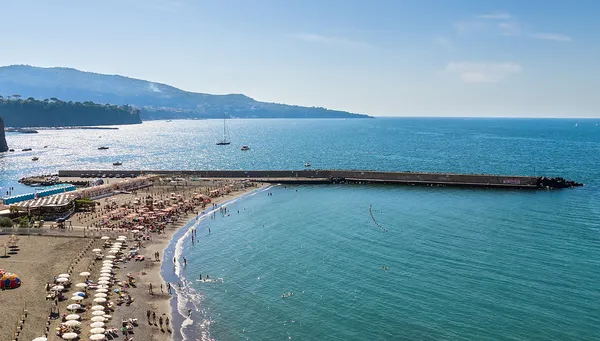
368 262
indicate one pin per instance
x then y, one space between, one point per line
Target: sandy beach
40 259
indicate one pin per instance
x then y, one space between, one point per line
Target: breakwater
348 176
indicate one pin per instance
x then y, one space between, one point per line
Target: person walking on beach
160 321
154 317
167 322
148 313
150 289
161 288
169 287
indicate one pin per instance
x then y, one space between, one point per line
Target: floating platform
349 176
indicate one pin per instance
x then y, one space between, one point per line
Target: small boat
117 163
245 148
307 164
35 158
26 150
45 146
11 150
102 148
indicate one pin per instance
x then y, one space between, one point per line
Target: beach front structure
53 206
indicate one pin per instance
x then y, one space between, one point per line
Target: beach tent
9 280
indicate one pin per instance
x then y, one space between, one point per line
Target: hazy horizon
414 59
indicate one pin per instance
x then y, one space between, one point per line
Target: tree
30 99
24 222
17 96
6 222
54 99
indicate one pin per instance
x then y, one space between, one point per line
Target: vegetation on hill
53 112
3 144
155 100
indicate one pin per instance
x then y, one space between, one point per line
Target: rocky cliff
3 145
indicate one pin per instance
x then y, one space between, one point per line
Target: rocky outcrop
545 182
3 145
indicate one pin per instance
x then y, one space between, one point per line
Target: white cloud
443 42
510 28
496 16
464 27
551 36
329 40
481 72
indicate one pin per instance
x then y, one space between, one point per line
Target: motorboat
117 163
35 158
102 148
245 148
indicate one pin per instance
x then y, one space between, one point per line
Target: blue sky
382 57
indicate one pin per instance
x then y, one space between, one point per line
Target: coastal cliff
53 112
3 145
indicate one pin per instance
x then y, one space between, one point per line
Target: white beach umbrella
63 276
72 323
106 267
102 290
103 286
72 317
78 293
122 237
107 261
41 338
81 285
104 278
69 336
62 280
98 319
113 251
106 271
97 325
108 317
98 308
96 250
100 300
57 288
97 331
111 257
103 282
98 313
105 238
97 337
77 298
84 274
103 295
73 306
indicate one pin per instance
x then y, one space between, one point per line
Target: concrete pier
344 176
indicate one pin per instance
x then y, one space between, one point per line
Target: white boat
245 148
307 164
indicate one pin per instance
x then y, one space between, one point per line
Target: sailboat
224 142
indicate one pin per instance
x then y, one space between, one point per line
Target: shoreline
166 244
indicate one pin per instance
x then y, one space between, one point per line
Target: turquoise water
461 264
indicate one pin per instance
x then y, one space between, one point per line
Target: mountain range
154 100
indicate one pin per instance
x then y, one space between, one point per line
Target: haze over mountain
155 100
